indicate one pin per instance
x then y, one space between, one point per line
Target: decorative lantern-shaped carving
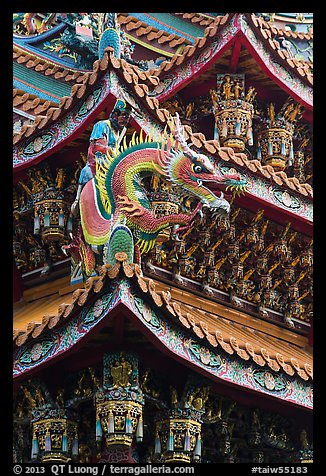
275 138
178 437
233 112
178 430
306 258
52 215
119 402
54 439
281 249
306 452
54 428
275 147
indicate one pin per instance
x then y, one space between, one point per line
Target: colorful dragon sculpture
115 212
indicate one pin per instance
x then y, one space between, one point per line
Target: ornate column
119 405
54 431
178 430
52 218
275 137
233 111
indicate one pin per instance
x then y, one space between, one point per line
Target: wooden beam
235 56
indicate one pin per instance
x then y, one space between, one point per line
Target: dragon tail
120 241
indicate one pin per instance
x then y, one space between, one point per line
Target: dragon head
190 170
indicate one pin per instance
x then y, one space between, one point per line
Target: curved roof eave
194 60
244 347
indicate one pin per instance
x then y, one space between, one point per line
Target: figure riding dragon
115 212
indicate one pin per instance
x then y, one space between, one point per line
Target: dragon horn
222 195
180 136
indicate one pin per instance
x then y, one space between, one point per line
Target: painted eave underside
215 325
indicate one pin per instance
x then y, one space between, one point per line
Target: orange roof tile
30 102
196 18
200 42
140 29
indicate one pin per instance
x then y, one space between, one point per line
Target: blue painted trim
39 38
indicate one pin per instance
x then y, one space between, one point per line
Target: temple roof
234 331
61 86
267 33
48 86
134 77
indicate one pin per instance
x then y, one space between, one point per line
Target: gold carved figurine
237 90
121 373
189 110
214 97
251 93
39 397
271 111
226 87
29 397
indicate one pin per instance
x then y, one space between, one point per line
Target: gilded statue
121 372
304 440
198 397
271 111
60 398
145 384
39 397
251 93
214 97
189 110
304 142
94 377
82 390
292 111
44 181
237 90
25 188
29 397
60 178
226 87
296 112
